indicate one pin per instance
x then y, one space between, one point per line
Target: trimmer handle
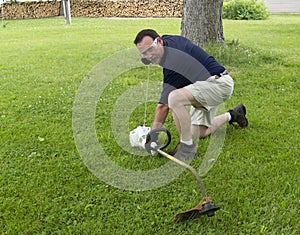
152 137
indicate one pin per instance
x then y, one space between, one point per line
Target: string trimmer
155 142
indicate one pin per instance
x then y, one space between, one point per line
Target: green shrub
245 10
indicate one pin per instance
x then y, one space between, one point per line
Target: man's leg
237 114
178 100
201 131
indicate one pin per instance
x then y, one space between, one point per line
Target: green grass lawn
47 189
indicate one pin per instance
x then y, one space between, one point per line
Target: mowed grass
47 189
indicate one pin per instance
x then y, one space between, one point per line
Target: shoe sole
242 122
241 109
244 125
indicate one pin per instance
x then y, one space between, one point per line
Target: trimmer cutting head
205 207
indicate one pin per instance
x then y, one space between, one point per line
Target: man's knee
200 132
173 99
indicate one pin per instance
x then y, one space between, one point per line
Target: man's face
151 50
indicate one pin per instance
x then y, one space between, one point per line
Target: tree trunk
202 21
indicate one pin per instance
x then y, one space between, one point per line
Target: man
191 78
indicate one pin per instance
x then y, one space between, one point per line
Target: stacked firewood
30 10
96 8
133 8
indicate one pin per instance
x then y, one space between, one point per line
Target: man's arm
161 114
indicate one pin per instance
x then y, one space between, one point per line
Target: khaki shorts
210 94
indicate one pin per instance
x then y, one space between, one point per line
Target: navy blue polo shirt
185 63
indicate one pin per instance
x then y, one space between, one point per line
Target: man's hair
145 32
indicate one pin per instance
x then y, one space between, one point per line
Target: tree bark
202 21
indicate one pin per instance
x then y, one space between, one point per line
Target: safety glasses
149 49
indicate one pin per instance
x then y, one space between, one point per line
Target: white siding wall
283 6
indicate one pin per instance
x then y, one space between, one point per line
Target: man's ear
160 41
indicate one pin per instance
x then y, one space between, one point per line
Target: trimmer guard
205 207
